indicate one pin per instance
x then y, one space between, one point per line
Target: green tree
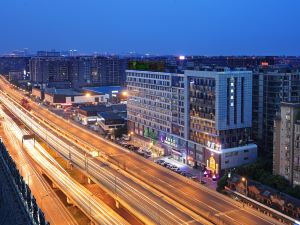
222 182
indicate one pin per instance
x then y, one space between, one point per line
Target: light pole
244 179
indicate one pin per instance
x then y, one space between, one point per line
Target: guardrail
35 214
261 207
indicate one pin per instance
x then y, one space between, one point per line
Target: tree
222 182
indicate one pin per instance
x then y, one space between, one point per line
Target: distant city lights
181 57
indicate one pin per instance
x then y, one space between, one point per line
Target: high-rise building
11 64
202 118
271 86
286 153
50 70
108 71
78 71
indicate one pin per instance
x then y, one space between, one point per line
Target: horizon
171 27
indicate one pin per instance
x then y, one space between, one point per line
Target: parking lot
183 169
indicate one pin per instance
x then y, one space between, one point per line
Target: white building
60 97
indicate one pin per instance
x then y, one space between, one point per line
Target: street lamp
246 183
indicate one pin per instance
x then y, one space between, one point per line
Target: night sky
201 27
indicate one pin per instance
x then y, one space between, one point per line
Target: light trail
153 208
83 198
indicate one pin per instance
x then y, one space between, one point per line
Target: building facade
45 70
202 118
66 72
286 154
271 86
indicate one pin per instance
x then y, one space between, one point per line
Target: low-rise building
109 121
90 114
60 97
37 93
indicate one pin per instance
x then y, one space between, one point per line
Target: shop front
175 147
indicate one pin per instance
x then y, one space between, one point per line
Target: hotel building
201 118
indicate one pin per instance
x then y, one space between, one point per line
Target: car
183 173
160 161
166 164
147 156
131 147
135 148
175 169
169 166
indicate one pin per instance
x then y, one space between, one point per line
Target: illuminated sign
170 141
232 91
214 146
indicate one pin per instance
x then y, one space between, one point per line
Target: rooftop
109 116
69 92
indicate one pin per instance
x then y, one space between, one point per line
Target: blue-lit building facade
201 118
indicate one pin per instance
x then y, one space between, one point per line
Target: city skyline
148 112
171 27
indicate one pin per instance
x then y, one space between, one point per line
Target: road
55 212
79 195
189 194
149 207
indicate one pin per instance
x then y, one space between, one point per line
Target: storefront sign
170 141
214 146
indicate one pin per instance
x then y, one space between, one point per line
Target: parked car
175 169
166 164
183 173
172 167
160 161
